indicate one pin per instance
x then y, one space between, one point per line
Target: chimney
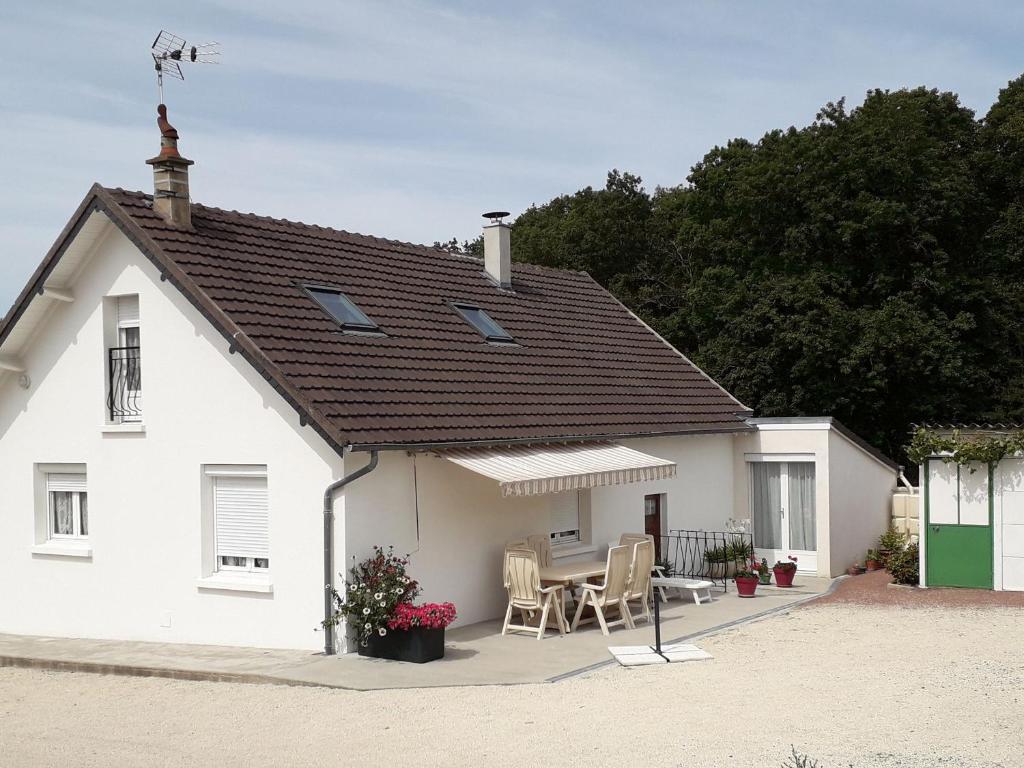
498 249
170 176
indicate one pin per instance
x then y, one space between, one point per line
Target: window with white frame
241 520
67 505
565 518
124 364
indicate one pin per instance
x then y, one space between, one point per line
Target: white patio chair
541 544
525 594
628 539
611 594
638 586
634 538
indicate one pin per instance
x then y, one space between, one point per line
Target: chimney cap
496 216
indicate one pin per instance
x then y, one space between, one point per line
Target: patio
474 655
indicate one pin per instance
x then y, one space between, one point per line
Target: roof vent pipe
498 249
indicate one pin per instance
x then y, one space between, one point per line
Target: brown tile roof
584 365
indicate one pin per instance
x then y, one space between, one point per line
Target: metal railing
124 370
709 555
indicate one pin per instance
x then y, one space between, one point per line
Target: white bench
699 590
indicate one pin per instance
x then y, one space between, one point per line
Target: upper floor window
342 309
484 324
67 506
124 364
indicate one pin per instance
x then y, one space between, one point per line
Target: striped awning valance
528 470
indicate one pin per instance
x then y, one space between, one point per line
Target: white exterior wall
860 502
464 522
805 444
853 490
201 406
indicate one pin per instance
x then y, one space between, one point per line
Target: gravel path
844 683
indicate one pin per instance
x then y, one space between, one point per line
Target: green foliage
375 588
797 760
904 565
867 266
979 448
739 550
893 540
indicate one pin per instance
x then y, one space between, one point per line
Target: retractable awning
535 469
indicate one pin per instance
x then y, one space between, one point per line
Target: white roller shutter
242 517
565 517
127 311
69 483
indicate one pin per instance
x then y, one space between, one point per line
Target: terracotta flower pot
746 586
853 570
784 577
873 565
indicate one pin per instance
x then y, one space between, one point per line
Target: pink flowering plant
428 616
378 586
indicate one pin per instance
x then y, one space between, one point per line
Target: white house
205 415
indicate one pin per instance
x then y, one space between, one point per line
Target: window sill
61 549
221 581
121 429
572 550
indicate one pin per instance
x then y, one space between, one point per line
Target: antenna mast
169 51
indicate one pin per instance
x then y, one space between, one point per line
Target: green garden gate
958 510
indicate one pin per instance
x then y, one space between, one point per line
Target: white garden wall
202 406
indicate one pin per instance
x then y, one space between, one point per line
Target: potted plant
746 580
415 633
663 565
764 573
377 604
890 542
719 556
784 572
873 560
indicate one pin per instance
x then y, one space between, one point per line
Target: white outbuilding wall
202 406
853 487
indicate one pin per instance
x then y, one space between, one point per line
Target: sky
408 120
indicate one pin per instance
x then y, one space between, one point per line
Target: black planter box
418 645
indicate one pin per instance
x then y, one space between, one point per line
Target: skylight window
484 323
340 307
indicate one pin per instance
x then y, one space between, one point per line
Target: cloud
407 119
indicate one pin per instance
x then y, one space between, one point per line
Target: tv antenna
170 50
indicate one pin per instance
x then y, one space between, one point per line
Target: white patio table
572 573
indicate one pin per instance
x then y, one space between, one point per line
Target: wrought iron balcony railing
125 379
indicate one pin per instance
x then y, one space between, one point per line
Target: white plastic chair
541 544
634 538
639 583
522 580
611 594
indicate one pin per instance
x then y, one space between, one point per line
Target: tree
866 266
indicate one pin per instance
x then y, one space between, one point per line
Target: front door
783 511
652 520
958 525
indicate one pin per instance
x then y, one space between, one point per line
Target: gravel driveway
867 685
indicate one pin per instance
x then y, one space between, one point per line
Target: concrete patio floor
474 655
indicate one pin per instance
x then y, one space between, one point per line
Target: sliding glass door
782 509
